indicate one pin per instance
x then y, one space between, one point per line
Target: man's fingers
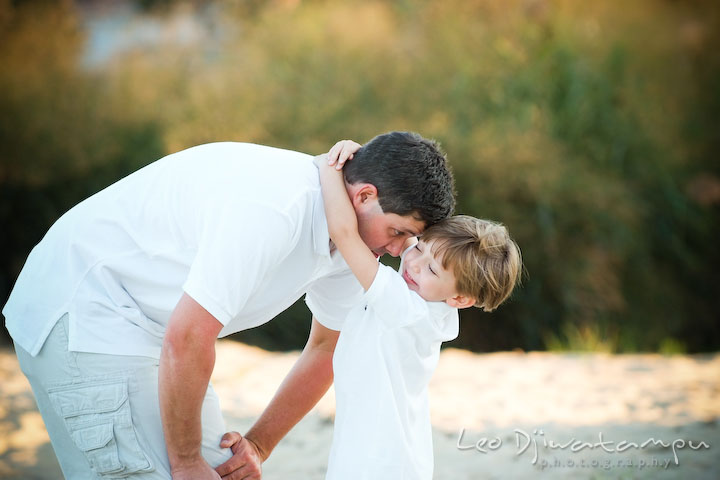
236 462
230 439
245 473
245 463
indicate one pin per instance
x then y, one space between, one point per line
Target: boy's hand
341 152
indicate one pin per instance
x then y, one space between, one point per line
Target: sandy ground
521 415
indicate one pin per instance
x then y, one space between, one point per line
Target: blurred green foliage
589 128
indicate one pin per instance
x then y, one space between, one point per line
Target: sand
501 415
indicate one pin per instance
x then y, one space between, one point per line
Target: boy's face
424 274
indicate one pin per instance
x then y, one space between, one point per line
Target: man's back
215 220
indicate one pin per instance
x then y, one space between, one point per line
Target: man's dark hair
410 173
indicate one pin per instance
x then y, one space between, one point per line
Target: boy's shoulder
399 307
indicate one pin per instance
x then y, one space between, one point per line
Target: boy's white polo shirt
239 227
386 354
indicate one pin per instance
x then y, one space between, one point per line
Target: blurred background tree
589 129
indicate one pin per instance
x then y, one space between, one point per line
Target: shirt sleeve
331 298
392 301
237 248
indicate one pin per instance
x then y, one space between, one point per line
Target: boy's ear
460 301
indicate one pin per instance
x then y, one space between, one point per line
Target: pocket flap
93 437
91 397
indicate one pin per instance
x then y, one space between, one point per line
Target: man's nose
394 248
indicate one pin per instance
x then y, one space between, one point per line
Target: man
116 312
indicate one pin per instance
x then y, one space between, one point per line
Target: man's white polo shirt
239 227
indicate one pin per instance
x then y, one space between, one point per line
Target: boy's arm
343 226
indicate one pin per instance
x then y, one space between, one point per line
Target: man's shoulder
251 170
243 155
244 148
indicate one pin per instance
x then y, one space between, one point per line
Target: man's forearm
304 386
186 363
183 382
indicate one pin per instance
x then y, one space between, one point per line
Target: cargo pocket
97 415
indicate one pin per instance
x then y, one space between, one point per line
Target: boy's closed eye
417 247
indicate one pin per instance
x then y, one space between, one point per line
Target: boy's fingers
348 152
341 152
332 154
344 156
335 152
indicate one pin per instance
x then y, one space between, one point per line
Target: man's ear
363 194
460 301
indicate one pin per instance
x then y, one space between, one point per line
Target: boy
389 346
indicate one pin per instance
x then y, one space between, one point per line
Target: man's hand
197 471
341 152
307 382
246 461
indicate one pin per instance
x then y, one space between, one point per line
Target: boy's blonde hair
486 262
